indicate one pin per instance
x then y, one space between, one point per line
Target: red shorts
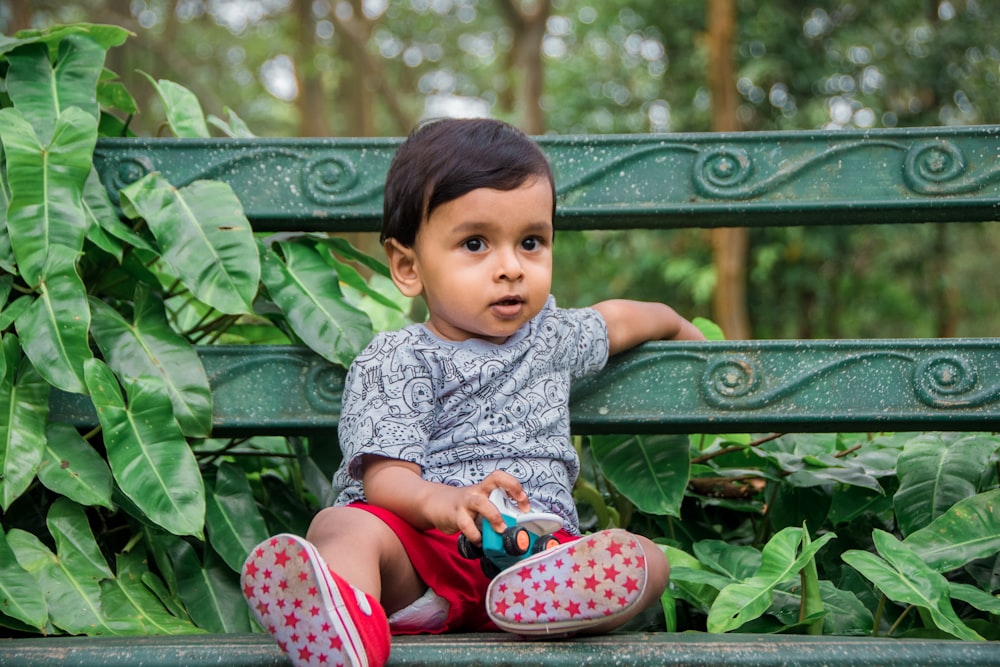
458 580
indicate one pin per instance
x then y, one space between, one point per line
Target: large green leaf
210 591
651 471
149 346
54 328
24 403
737 562
128 598
104 226
42 92
234 524
936 470
73 468
20 596
150 458
304 287
968 530
903 577
105 35
46 185
70 578
184 114
205 237
742 602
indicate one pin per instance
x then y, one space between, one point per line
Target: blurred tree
729 245
359 67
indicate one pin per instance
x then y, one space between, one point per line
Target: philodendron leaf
24 402
20 596
72 467
970 529
70 578
210 590
54 328
651 471
43 91
234 524
205 238
741 602
184 113
305 288
936 471
149 346
903 577
149 457
128 598
46 186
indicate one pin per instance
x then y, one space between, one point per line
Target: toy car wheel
516 540
544 543
468 549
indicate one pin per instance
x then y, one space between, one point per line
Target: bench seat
499 650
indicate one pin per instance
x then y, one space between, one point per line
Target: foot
575 587
316 617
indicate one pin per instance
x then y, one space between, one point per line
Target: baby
438 415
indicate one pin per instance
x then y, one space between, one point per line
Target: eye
532 243
474 245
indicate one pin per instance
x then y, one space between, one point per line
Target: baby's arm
398 487
633 322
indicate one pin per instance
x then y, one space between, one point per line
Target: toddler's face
484 261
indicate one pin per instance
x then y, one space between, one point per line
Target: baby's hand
466 504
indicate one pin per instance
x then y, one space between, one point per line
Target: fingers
467 526
499 479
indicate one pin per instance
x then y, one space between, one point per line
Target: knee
657 567
361 530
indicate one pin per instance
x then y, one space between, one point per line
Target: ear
403 267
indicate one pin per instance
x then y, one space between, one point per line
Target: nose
508 266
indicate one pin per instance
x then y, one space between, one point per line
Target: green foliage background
140 526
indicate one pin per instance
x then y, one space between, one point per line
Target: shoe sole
301 607
572 587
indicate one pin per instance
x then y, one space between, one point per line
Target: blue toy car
527 533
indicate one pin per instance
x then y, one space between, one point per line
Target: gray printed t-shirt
464 409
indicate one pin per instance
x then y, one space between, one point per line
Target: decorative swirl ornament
123 170
947 381
719 171
936 167
324 387
728 380
327 179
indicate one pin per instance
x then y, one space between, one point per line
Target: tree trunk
729 245
355 99
20 16
314 116
526 60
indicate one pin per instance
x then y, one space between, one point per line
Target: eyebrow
474 226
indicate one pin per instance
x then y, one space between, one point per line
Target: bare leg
362 549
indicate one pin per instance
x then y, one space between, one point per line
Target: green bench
616 182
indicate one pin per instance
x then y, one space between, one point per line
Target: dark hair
444 159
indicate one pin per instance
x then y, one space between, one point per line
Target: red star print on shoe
316 617
569 588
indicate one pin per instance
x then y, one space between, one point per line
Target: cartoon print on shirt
463 410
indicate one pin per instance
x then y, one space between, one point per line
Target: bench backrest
640 181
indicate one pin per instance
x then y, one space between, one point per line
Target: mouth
508 307
512 300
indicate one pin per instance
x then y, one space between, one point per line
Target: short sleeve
585 335
388 404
